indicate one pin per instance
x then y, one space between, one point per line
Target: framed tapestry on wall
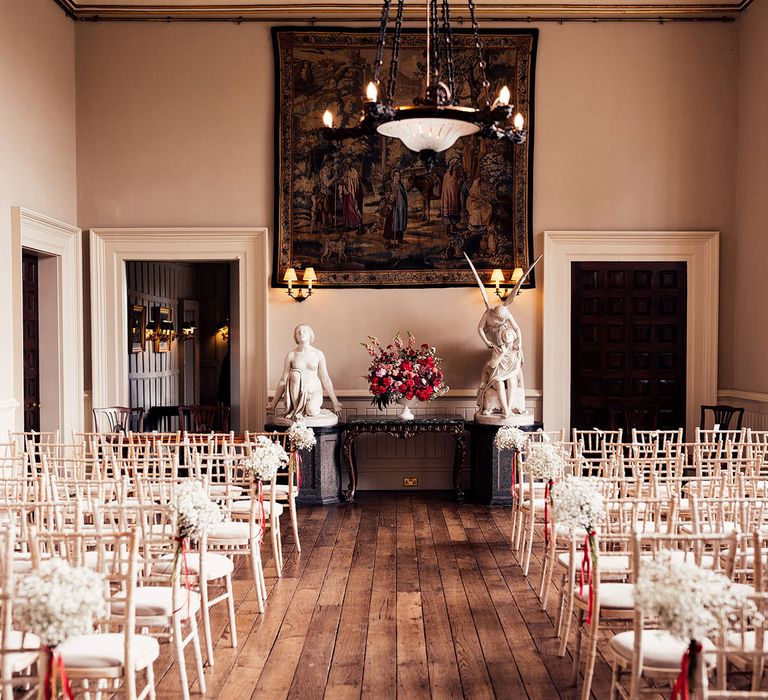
365 212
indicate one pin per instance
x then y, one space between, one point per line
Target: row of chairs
704 508
103 486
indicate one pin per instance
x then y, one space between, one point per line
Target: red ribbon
514 476
586 573
56 661
263 523
546 513
187 584
681 689
298 467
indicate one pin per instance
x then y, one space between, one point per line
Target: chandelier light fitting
434 121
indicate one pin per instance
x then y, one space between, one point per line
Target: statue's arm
281 384
325 380
481 331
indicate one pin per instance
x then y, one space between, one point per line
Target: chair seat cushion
107 650
217 490
660 649
216 565
709 527
20 660
157 601
609 563
230 533
613 596
747 642
538 504
281 490
244 506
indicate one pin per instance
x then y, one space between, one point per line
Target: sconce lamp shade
290 275
517 275
309 275
497 276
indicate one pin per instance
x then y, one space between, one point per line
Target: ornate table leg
458 463
348 455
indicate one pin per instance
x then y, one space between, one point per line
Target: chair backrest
204 419
118 419
722 415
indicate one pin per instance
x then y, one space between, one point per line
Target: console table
403 429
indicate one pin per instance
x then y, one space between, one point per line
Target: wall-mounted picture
365 211
163 325
137 327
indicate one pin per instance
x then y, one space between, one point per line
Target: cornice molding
369 10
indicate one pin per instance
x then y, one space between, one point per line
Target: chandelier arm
479 46
448 49
382 41
392 87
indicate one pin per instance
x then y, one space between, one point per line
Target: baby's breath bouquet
266 459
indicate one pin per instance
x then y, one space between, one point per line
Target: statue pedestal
491 468
325 419
320 466
519 420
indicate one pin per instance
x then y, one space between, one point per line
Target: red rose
374 381
409 395
386 381
407 366
409 383
425 346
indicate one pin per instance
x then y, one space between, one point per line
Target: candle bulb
327 119
504 96
519 121
372 92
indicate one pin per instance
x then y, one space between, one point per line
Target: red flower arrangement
403 370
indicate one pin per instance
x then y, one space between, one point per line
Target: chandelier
434 121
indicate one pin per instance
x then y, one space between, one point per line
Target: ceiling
270 10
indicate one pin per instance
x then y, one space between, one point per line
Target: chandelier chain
447 35
479 47
382 41
395 52
434 48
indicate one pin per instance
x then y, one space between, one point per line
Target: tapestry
365 212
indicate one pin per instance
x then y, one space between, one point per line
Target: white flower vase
406 413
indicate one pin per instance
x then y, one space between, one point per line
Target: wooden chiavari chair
598 443
645 651
19 650
104 656
32 441
161 603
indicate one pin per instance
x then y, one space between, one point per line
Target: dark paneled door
30 314
628 345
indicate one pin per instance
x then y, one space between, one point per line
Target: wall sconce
188 330
161 330
224 329
308 278
497 277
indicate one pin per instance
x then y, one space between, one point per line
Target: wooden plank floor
404 595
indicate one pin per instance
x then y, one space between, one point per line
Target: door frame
110 249
60 277
699 249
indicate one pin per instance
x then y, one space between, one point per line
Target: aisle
396 595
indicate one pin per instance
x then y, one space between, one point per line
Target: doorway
30 307
628 345
191 366
244 248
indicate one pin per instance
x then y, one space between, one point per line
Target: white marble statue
305 375
501 395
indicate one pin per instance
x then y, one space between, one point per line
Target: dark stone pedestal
320 466
491 468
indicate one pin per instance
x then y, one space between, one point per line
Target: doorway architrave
699 249
111 248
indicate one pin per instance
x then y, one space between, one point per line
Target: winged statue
501 396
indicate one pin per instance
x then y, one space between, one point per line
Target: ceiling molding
306 10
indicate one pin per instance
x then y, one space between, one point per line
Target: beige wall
175 128
749 281
37 145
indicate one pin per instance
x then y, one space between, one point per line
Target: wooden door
628 345
31 341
